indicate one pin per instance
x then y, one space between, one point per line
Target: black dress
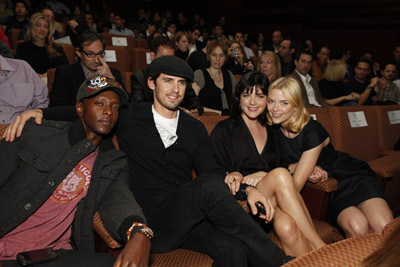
234 149
38 58
356 181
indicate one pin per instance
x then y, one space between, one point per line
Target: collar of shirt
5 68
304 78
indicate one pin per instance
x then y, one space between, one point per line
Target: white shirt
310 91
166 128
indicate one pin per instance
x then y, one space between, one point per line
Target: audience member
62 204
5 11
181 42
195 44
57 27
287 49
89 18
375 68
5 50
260 43
20 18
396 60
239 38
245 149
39 49
109 23
277 38
360 84
58 7
332 85
151 28
198 59
309 87
387 92
181 23
219 33
237 62
21 89
358 206
171 29
68 78
270 65
215 84
319 65
344 53
120 27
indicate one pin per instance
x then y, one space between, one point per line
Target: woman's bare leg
377 212
293 241
353 222
278 184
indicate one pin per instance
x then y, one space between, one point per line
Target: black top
331 90
13 22
210 94
38 58
235 150
182 55
354 86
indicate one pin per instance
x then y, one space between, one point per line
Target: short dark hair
170 22
89 37
249 81
303 51
391 62
162 40
119 15
47 7
21 2
364 60
324 46
367 52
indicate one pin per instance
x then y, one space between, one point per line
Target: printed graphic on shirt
73 185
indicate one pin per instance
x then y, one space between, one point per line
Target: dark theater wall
357 24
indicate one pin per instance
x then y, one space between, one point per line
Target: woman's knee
355 225
286 229
282 178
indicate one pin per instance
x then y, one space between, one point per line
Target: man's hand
16 127
254 178
253 196
135 253
233 180
104 69
373 82
318 175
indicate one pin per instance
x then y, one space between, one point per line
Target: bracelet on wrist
139 227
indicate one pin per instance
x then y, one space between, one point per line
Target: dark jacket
34 165
314 85
154 170
67 80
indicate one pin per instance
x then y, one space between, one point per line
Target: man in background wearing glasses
68 78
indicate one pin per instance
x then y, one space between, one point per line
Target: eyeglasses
100 54
234 49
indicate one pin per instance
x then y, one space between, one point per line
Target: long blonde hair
277 63
50 45
290 88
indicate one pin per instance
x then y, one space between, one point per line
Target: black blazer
67 80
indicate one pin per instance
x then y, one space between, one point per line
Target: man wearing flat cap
163 146
57 175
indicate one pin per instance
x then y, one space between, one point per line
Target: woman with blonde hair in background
39 49
270 65
332 85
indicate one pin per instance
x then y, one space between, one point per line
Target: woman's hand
318 175
254 178
233 180
249 65
253 196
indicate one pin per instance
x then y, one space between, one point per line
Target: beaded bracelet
145 230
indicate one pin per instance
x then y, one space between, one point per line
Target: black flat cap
170 65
